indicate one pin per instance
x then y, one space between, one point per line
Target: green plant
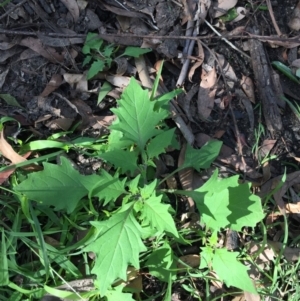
285 70
101 55
293 106
132 221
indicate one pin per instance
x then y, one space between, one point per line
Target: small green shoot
230 15
285 70
293 106
100 55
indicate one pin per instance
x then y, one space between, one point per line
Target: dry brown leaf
251 297
168 160
134 279
296 63
6 45
208 78
266 255
278 88
55 81
186 177
118 81
293 207
294 22
249 109
203 7
60 123
82 4
206 94
231 240
4 175
199 61
192 260
48 52
193 221
291 179
222 7
27 54
273 217
266 147
219 133
51 241
242 13
93 21
8 152
104 121
3 77
72 7
236 162
188 11
122 65
171 182
227 70
248 87
77 81
290 254
237 31
5 54
239 298
218 284
266 170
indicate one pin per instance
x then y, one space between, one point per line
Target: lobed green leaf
231 271
137 119
117 245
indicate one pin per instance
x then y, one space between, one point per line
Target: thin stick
295 39
271 12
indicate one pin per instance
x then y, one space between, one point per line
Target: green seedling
293 106
125 212
230 15
285 70
100 55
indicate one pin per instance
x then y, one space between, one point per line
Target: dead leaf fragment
293 208
291 179
223 6
294 22
3 77
206 94
248 87
186 176
191 260
48 52
8 152
55 81
118 81
242 13
227 70
296 63
291 254
251 297
72 7
199 61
